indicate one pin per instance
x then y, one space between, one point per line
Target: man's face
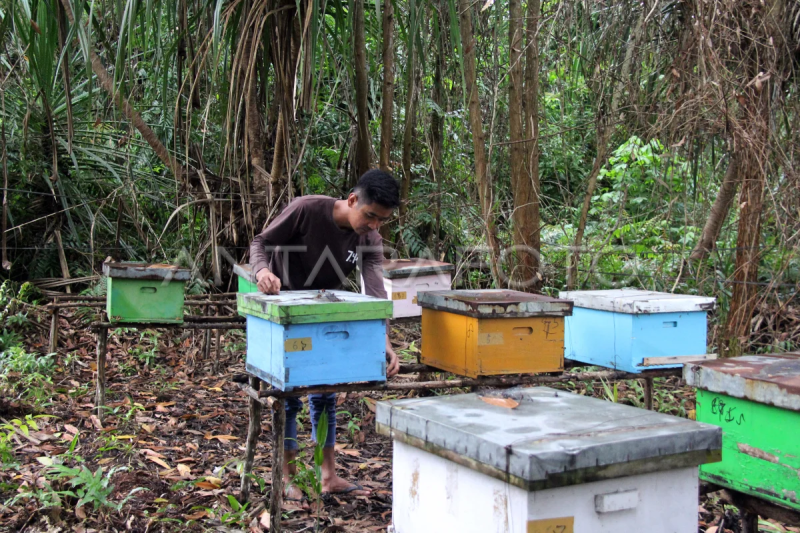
366 217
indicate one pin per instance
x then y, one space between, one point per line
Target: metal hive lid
305 307
146 271
553 438
245 271
768 379
405 268
494 303
634 301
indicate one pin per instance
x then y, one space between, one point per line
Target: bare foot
294 496
337 485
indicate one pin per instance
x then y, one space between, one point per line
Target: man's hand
268 282
392 363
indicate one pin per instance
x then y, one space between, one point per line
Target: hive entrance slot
522 331
148 290
337 335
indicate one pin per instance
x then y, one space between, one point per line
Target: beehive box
246 280
143 292
756 402
404 278
634 330
558 462
492 332
305 338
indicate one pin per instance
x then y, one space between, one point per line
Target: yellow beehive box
493 332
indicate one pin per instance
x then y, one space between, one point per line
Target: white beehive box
404 278
557 462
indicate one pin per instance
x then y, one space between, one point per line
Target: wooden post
218 336
253 431
749 522
53 347
648 394
100 395
207 343
278 428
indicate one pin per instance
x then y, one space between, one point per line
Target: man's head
372 201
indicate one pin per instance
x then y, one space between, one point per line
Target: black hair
379 187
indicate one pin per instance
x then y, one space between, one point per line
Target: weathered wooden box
492 332
755 399
143 292
246 279
404 278
634 330
558 462
302 338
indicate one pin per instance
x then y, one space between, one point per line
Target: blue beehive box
304 338
635 330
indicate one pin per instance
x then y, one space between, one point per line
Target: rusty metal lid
146 271
634 301
768 379
494 303
550 438
405 268
245 271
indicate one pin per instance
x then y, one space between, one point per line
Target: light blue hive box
634 330
305 338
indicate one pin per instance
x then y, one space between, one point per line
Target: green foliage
7 432
90 487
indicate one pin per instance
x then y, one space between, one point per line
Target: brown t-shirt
307 250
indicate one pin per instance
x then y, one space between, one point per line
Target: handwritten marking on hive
302 344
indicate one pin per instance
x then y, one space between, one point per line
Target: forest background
541 145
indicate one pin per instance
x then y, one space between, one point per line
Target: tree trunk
387 109
752 160
482 179
360 56
437 117
719 212
605 127
410 120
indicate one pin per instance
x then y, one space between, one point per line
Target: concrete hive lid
767 379
634 301
552 439
306 307
146 271
405 268
244 271
494 303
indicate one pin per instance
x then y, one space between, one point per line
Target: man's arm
372 274
278 233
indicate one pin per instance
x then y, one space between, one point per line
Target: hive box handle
337 335
148 290
522 331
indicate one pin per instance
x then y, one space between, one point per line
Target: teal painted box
755 399
145 293
305 338
635 330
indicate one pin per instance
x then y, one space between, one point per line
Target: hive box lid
494 303
405 268
244 271
552 439
768 379
306 307
146 271
633 301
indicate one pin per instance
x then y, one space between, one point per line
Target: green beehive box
756 402
246 278
145 293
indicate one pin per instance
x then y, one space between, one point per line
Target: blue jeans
317 403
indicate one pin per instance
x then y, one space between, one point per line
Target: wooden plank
302 307
677 360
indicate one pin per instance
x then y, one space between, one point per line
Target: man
319 241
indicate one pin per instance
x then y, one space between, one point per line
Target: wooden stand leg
100 395
207 339
278 428
253 431
217 347
749 522
53 347
648 393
